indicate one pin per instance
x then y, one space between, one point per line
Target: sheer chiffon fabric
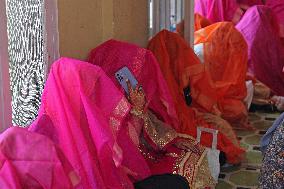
219 10
266 55
83 112
225 58
162 147
181 68
278 8
30 160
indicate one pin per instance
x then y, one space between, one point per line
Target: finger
128 85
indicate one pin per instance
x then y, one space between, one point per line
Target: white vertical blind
51 30
165 14
189 21
5 95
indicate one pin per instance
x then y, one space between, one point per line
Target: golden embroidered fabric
122 108
188 143
194 167
160 133
146 151
119 112
192 163
203 177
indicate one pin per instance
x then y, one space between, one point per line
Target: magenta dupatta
266 55
86 111
277 7
113 55
30 160
249 3
218 10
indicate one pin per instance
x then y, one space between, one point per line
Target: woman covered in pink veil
83 113
153 120
224 10
219 10
266 54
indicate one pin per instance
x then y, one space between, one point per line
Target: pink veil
30 160
266 55
113 55
278 8
218 10
82 112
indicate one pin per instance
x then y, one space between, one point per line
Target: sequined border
118 114
160 141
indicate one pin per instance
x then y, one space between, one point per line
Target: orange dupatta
200 22
225 58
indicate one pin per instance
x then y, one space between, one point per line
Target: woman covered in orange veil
199 22
224 53
182 69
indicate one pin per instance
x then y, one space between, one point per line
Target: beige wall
85 24
131 21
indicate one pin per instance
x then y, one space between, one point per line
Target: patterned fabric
272 171
26 48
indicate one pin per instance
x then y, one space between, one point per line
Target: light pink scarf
85 112
30 160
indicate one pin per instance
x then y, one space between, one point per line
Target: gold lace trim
158 131
193 164
119 112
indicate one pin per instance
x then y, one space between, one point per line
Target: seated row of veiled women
108 141
261 24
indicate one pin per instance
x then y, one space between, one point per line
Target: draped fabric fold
30 160
278 8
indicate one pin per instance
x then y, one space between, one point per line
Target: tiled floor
245 176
